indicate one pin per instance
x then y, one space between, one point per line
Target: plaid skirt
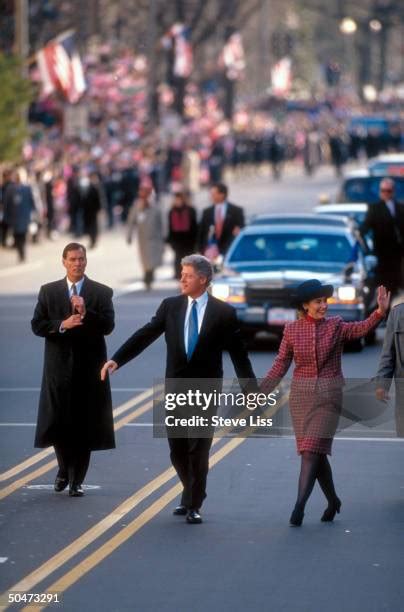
315 409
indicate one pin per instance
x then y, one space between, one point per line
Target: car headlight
346 293
220 291
234 294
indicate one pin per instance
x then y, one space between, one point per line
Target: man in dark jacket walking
75 408
197 329
220 222
18 207
385 220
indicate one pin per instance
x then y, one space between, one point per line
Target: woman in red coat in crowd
315 343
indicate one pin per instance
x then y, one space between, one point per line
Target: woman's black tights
315 466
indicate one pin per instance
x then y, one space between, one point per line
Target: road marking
48 451
347 439
46 569
15 389
38 575
48 487
12 271
37 389
17 424
17 484
3 559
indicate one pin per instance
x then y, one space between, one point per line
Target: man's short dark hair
222 188
73 246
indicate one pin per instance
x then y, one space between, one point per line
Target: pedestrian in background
75 407
391 365
7 180
315 343
182 229
145 217
338 149
223 217
18 208
385 219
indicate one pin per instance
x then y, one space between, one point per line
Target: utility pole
152 94
21 33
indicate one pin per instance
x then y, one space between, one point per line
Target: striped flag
61 69
281 77
179 35
233 58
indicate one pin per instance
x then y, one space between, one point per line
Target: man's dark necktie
74 292
192 330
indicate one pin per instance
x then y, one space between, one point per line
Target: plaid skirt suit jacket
315 398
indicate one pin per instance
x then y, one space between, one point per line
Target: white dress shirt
70 284
201 303
220 212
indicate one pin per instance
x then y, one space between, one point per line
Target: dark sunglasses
386 190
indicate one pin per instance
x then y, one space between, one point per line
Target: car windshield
296 220
292 247
366 189
357 216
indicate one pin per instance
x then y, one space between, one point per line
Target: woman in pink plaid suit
315 343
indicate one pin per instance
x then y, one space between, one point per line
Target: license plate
280 316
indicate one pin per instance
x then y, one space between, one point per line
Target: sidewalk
112 262
116 264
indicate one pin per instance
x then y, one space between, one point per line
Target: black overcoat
75 406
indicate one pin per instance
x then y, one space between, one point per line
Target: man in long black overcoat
75 408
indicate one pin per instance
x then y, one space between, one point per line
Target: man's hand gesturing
78 305
72 321
108 367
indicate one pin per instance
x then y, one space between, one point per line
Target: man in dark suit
386 221
75 408
197 329
220 222
182 229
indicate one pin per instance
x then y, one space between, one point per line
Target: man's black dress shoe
194 517
180 510
60 484
76 491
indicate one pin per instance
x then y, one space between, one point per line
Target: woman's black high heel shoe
296 518
331 511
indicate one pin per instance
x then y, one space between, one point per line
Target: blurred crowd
103 152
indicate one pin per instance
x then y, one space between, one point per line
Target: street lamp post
152 94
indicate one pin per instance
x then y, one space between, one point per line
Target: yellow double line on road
20 482
28 583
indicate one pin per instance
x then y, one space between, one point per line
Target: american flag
61 69
281 77
233 58
179 35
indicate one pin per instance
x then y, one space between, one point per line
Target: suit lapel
208 319
85 289
181 323
63 291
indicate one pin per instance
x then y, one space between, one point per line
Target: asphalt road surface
119 547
